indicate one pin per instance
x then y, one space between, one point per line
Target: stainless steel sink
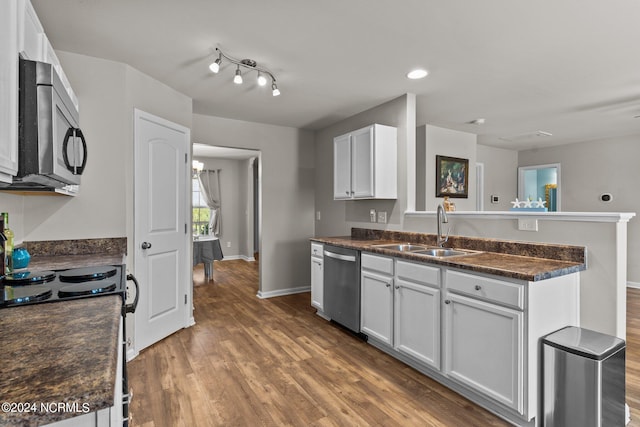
443 252
402 247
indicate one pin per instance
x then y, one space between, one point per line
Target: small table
206 249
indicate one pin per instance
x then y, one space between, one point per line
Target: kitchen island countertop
515 260
62 353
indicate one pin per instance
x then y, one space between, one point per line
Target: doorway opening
235 223
540 182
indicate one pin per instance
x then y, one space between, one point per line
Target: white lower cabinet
477 334
401 306
483 348
417 312
376 294
317 277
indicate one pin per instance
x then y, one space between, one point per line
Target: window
200 211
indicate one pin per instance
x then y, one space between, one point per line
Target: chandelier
247 65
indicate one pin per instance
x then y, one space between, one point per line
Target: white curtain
210 188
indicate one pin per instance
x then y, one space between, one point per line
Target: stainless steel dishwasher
342 286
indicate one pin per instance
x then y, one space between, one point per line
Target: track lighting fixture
249 64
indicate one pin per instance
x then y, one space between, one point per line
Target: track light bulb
275 90
215 66
262 80
238 77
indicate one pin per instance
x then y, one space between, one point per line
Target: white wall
287 177
589 169
500 176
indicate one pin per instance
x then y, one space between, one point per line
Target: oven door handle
131 308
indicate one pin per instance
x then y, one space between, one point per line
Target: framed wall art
452 177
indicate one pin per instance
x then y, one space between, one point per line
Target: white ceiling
567 67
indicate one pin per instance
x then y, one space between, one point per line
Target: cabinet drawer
316 249
377 263
505 293
418 273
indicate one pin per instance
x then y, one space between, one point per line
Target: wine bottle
8 245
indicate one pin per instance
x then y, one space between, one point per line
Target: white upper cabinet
30 32
8 90
365 164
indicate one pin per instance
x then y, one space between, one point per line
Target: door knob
146 245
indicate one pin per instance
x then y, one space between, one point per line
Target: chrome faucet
441 218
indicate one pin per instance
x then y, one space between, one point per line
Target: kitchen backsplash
111 245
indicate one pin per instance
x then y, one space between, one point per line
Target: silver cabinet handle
145 245
478 287
388 285
447 301
397 287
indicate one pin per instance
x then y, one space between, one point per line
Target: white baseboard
633 285
131 354
234 257
282 292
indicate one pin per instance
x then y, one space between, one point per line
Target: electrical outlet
528 224
382 217
317 215
372 215
228 244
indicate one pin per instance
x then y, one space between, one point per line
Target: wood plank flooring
274 362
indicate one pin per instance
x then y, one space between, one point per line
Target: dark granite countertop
63 352
516 260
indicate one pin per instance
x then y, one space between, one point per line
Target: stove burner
87 274
25 294
86 288
29 278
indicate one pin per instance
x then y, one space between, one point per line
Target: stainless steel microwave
52 151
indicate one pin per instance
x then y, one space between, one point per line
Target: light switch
372 215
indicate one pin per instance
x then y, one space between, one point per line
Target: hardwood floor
274 362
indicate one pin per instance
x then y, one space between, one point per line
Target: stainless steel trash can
583 379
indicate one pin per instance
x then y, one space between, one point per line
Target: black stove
46 286
43 286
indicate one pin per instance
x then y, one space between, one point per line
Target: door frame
187 286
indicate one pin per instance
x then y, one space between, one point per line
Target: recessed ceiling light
417 74
479 121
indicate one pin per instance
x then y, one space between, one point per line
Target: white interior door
161 230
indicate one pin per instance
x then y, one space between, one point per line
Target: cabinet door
8 90
377 306
317 283
30 33
484 348
342 167
417 322
362 165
